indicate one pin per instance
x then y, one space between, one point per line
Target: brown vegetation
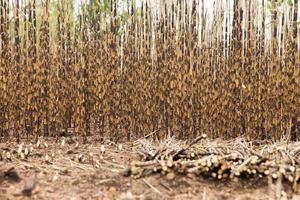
171 169
159 69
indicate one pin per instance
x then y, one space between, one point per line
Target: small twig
189 145
114 164
152 187
246 162
146 136
144 164
165 186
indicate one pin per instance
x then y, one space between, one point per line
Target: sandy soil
69 169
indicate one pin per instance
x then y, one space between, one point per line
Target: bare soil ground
69 169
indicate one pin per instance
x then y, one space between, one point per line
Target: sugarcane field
150 99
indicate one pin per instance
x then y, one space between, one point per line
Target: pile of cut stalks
218 159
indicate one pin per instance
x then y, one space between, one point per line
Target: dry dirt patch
70 169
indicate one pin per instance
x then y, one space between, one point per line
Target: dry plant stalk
128 71
220 160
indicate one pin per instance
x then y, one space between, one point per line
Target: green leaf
290 2
271 6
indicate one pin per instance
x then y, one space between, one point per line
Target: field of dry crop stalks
144 73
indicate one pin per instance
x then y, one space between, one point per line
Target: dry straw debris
220 160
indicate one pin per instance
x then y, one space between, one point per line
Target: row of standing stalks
171 66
